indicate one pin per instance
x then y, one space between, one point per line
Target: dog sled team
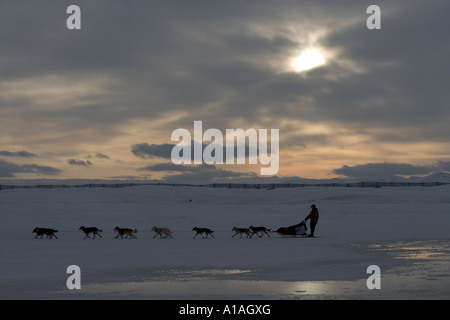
161 232
291 231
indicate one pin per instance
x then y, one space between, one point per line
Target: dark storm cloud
99 156
8 169
386 169
83 163
22 154
146 151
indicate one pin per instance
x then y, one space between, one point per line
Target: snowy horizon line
438 177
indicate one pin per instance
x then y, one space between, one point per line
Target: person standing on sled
314 217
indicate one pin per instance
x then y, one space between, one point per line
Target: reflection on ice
202 273
213 289
430 261
416 250
394 286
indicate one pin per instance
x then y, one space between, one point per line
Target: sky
103 101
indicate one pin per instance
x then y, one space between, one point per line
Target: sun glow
307 60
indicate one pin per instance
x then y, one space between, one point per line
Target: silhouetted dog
50 233
201 231
125 231
93 230
240 231
259 230
162 232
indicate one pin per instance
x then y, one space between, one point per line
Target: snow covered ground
403 230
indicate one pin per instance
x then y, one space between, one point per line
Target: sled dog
200 231
93 230
259 230
240 231
125 231
162 232
50 233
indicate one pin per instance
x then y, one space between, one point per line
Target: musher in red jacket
314 216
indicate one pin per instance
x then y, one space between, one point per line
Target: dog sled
297 230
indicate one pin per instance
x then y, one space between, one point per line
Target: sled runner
298 230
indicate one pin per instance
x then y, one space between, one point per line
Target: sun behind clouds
307 60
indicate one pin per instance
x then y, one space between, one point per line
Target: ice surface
403 230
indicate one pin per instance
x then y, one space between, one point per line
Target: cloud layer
136 71
22 154
9 170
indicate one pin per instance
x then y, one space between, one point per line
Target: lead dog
201 231
257 230
240 231
125 231
162 231
50 233
93 230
